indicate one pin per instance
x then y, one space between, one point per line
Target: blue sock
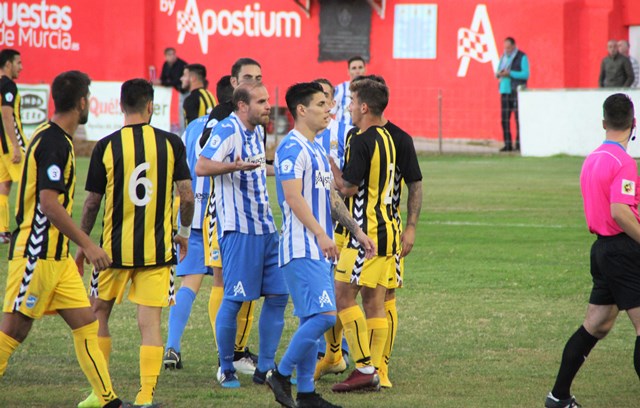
345 345
226 326
179 316
322 346
303 343
306 368
270 329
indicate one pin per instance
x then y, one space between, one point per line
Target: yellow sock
150 365
4 213
333 337
105 346
392 323
92 362
245 321
215 299
7 346
355 328
377 338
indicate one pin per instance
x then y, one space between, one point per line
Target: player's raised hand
367 243
183 245
328 247
242 165
97 257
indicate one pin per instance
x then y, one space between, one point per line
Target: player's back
370 163
11 97
135 168
49 163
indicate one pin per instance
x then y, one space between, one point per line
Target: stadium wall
117 40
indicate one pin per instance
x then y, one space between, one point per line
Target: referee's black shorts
615 269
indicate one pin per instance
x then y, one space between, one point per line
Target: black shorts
615 269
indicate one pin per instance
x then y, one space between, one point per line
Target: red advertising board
116 40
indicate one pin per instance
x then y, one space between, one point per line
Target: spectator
513 71
623 48
615 70
172 71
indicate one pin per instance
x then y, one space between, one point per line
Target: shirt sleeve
97 176
524 70
623 187
181 168
9 93
407 160
290 163
220 143
360 155
51 158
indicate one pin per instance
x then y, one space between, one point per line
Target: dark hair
353 59
373 93
7 55
68 88
199 70
224 89
169 49
243 94
326 82
135 94
237 66
301 94
618 112
376 78
511 40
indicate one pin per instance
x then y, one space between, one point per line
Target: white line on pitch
490 224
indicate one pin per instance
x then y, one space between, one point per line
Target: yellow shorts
53 285
10 171
212 255
340 239
353 267
150 286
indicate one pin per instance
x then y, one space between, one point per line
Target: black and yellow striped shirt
135 168
10 97
49 165
200 102
370 159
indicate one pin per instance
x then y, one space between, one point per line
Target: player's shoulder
171 137
221 111
7 83
396 131
50 137
289 146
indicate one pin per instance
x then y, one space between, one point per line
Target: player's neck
135 119
67 121
309 134
619 136
368 120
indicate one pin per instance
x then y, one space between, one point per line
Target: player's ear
604 124
150 107
300 109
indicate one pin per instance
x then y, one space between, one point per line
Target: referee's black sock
636 356
575 353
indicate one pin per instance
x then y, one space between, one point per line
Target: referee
608 182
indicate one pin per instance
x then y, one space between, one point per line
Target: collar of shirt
245 132
611 142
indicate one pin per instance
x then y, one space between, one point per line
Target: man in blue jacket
513 71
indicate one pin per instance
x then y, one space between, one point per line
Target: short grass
496 283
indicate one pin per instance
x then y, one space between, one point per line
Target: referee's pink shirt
609 175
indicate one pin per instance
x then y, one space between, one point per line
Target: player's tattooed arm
186 201
90 211
340 213
414 203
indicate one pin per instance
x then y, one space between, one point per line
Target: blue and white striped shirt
201 185
332 139
342 97
242 201
297 158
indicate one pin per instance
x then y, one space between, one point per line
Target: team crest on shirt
8 96
215 141
323 179
286 166
238 289
325 299
628 187
31 301
54 173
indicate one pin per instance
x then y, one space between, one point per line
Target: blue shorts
311 285
250 266
193 263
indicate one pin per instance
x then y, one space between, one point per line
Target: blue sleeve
289 163
220 143
524 70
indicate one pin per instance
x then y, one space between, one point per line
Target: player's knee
279 301
328 320
390 295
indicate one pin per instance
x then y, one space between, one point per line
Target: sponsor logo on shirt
323 179
628 187
258 159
